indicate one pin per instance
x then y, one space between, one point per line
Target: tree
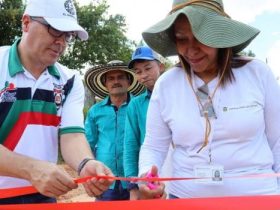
249 53
10 20
107 40
11 4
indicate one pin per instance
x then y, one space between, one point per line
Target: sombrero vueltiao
210 25
94 78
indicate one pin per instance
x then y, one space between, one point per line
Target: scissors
151 185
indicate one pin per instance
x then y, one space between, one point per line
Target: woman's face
201 58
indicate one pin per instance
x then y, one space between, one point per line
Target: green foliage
249 53
10 20
10 4
107 40
168 63
89 100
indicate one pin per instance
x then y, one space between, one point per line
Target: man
105 120
41 103
147 67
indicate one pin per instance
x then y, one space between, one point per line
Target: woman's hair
223 65
226 61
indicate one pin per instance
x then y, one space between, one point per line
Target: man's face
116 82
43 48
147 72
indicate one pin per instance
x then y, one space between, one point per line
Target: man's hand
95 187
49 179
157 193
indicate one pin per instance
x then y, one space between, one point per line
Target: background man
106 120
147 67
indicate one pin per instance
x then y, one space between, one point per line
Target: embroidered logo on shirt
58 95
7 94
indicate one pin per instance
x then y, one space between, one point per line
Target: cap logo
69 7
138 51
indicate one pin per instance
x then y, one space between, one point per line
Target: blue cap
143 53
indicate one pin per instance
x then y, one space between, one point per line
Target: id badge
209 174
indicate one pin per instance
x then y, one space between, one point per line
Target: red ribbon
12 192
225 203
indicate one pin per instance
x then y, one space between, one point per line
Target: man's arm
46 177
74 149
131 149
91 130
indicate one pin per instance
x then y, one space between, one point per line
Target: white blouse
244 139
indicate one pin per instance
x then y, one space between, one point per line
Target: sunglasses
69 36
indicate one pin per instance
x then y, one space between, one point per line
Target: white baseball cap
60 14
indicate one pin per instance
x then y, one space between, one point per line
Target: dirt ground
77 195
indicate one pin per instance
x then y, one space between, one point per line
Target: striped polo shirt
35 112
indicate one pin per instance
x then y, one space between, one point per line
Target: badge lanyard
212 173
208 101
205 113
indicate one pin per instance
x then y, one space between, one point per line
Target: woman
221 111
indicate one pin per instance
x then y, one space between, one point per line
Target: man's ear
162 68
25 20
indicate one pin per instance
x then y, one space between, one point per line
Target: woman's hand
153 190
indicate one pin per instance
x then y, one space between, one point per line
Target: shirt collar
147 93
107 100
15 65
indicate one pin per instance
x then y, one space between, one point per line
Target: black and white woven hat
94 78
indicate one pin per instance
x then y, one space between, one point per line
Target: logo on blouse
236 108
8 94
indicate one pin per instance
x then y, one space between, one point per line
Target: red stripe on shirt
28 118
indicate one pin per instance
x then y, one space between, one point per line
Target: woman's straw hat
210 25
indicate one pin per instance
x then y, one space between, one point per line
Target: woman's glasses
69 36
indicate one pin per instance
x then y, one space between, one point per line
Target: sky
264 15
